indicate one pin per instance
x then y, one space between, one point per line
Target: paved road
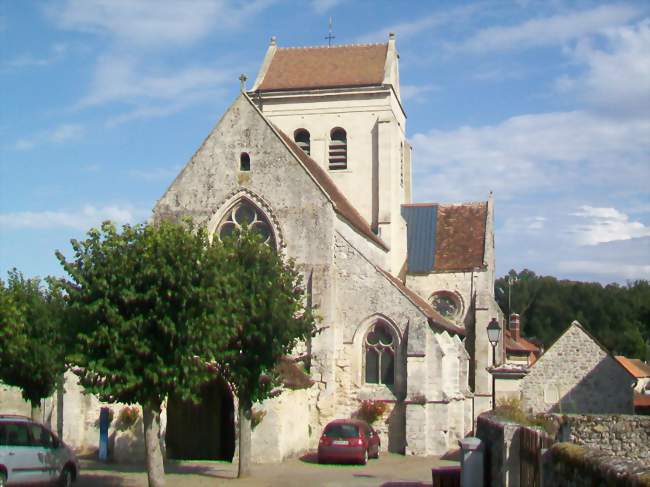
390 470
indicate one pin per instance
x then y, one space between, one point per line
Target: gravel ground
390 470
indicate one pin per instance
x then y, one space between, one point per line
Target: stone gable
576 375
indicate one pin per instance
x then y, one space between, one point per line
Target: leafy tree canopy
618 316
32 350
152 303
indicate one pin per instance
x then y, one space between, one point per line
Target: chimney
514 326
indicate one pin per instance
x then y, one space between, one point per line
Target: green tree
32 351
153 304
271 319
617 315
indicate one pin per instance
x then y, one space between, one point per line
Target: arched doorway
203 431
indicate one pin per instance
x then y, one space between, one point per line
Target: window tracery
379 350
245 214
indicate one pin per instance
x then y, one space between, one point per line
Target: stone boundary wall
625 436
570 465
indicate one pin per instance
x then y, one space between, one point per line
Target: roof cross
329 36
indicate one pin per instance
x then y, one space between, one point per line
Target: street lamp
493 332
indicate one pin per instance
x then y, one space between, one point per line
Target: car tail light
325 441
355 442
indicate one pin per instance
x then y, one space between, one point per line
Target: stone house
577 375
315 158
641 371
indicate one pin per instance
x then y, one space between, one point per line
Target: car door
48 456
19 455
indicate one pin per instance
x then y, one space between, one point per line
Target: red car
348 440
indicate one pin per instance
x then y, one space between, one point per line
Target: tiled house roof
520 344
325 67
634 366
453 234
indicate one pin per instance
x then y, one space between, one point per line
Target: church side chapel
314 157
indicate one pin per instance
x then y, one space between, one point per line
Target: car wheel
365 457
3 479
66 478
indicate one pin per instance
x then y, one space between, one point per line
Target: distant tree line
617 315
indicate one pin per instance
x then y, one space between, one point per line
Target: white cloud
416 92
153 23
525 154
606 225
82 219
553 30
57 53
404 30
322 6
617 77
62 133
612 261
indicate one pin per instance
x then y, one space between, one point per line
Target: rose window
244 214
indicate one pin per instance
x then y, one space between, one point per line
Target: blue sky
545 103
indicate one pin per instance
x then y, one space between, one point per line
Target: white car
31 454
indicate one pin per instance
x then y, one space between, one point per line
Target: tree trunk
155 468
244 439
36 411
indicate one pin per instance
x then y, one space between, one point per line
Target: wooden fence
531 443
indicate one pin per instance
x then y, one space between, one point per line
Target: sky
545 103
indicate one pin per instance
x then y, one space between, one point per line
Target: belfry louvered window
379 348
338 150
301 137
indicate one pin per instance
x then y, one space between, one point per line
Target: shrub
512 410
370 411
128 417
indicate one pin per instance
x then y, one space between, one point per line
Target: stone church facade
317 150
315 157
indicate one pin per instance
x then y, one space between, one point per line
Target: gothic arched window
246 214
379 349
338 150
302 138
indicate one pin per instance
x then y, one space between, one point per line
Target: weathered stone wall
285 429
501 449
620 435
570 465
576 375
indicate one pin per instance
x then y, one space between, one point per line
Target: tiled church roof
454 235
435 318
326 67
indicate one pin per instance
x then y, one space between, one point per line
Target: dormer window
302 139
244 162
338 151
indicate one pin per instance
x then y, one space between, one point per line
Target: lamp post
493 332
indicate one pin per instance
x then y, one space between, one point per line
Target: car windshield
342 431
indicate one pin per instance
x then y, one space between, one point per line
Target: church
315 157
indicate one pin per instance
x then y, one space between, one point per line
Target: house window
301 136
244 162
338 153
379 349
244 214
